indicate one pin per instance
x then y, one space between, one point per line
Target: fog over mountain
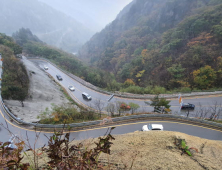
49 24
94 14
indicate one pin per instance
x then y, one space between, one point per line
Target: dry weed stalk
106 120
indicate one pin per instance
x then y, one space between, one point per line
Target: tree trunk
22 103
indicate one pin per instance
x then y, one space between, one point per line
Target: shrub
148 90
185 90
66 114
133 89
159 90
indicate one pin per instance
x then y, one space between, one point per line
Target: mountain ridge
147 41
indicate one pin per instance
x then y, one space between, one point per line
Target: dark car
59 77
86 96
187 106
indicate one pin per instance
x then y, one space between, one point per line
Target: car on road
150 127
71 88
46 68
59 77
86 96
187 106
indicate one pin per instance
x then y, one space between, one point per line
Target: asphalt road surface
204 101
8 127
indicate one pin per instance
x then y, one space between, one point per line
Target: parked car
71 88
46 68
152 127
187 106
86 96
59 77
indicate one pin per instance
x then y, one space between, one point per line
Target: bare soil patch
43 92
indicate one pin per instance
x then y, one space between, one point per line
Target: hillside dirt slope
43 91
156 150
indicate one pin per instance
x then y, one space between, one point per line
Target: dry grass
156 150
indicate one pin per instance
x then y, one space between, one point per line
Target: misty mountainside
92 14
169 43
50 25
24 36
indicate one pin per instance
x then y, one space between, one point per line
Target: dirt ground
43 92
155 150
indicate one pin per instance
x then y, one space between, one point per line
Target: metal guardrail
114 120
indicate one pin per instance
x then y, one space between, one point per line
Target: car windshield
149 126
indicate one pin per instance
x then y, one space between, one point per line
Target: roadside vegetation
59 153
66 114
15 80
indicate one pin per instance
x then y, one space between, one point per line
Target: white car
71 88
152 127
46 68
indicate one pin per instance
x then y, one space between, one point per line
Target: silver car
46 68
71 88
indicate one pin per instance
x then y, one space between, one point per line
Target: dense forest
169 43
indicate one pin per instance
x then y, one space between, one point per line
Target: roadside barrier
117 120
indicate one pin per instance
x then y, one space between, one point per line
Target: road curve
25 133
204 101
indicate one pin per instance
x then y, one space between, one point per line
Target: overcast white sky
101 12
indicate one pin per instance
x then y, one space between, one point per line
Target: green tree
161 105
133 107
18 93
176 71
205 77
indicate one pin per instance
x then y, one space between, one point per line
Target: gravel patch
43 92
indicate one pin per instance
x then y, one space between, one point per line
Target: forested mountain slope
50 25
171 43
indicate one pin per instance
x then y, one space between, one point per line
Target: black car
187 106
59 77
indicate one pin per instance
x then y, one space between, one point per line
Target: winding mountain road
204 101
25 132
